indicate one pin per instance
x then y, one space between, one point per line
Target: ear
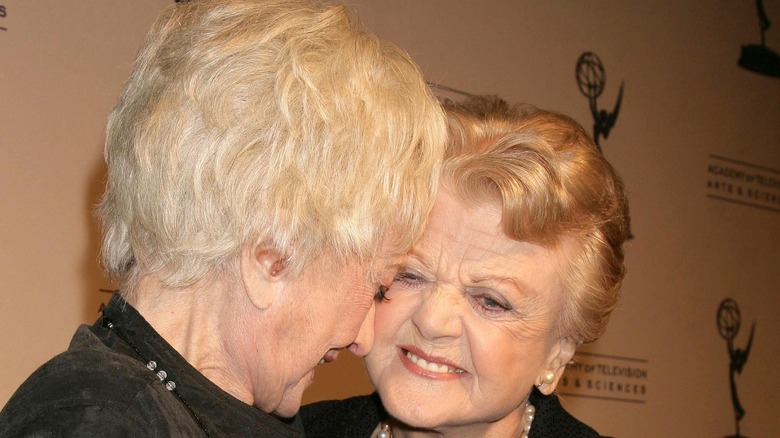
561 353
262 267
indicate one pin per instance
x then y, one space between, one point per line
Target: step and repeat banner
683 98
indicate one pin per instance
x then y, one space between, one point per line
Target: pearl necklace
386 429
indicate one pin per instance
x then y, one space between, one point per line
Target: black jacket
101 386
357 417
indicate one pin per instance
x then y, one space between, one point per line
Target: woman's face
317 313
469 324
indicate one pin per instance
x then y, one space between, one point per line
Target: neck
513 425
196 321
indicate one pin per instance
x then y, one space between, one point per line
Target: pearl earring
548 377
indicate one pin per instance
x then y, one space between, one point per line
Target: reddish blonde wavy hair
554 185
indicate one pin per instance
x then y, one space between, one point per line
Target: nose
365 337
439 314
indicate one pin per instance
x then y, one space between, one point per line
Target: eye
409 278
381 293
491 305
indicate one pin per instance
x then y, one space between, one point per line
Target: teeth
322 361
430 366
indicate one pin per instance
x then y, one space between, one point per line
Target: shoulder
552 420
89 389
355 417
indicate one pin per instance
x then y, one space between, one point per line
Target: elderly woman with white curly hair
269 163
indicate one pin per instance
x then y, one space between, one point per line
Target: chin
289 405
287 410
422 415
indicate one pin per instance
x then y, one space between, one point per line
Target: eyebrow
425 259
419 256
519 286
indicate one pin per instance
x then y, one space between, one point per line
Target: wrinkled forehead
462 229
529 220
474 228
389 258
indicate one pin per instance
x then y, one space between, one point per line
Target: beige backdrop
693 129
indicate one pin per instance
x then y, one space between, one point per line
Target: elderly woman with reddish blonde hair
520 264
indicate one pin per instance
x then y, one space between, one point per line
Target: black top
357 417
101 386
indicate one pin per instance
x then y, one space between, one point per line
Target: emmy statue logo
591 79
760 58
729 321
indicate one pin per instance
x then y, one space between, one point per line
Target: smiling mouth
431 366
